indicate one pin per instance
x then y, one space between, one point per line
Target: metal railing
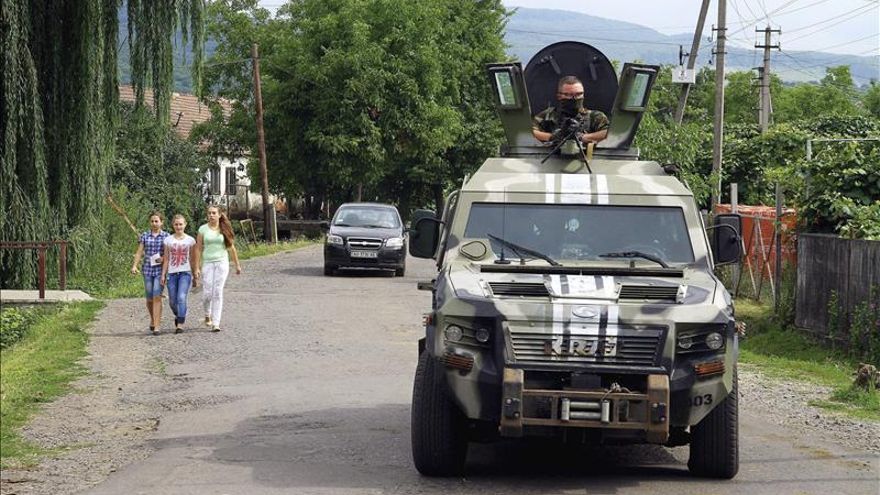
41 247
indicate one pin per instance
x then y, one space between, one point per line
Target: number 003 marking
701 400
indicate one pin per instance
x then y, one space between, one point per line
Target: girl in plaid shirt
150 247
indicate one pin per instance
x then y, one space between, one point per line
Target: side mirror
726 238
325 225
424 234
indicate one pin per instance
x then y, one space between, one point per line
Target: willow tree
59 108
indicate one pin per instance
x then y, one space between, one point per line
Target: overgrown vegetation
37 369
787 353
838 190
15 322
59 115
390 96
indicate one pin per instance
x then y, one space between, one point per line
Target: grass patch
125 285
38 369
789 354
262 249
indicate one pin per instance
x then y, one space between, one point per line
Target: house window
214 176
231 181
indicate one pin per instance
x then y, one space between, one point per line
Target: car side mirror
424 234
325 225
726 238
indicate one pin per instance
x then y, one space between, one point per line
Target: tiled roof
186 109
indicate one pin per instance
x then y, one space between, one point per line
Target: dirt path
307 390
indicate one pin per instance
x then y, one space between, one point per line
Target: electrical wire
845 43
852 13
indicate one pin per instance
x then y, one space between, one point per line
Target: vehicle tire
329 270
439 436
715 440
399 272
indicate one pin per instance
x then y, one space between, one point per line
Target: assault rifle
570 129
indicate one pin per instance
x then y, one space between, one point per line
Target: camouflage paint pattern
582 305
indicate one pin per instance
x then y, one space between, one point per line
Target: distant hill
529 30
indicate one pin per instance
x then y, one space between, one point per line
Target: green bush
864 329
14 324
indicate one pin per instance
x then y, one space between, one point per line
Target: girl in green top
214 243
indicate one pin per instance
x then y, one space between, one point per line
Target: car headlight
394 242
714 341
453 333
334 239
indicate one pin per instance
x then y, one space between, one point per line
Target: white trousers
214 275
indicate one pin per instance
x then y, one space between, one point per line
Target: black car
365 235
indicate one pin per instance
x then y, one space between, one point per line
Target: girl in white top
176 267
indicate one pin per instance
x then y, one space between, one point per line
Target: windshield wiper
636 254
520 250
341 225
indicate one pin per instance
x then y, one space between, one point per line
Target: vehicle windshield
584 232
366 216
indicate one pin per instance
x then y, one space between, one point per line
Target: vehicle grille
364 243
630 347
662 292
519 289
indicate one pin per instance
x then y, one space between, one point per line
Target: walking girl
176 269
150 248
214 243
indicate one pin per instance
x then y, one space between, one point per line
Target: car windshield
584 232
366 216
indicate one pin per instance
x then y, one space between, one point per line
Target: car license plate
364 254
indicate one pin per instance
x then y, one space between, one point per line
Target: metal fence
831 268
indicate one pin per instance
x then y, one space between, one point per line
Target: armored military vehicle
575 296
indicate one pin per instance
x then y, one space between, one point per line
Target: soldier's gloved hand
557 135
579 136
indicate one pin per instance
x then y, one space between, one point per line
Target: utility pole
692 60
268 219
718 138
765 109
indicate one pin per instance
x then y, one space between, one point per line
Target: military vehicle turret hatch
521 94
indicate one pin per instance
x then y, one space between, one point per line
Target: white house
228 183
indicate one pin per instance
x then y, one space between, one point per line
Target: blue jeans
178 288
152 286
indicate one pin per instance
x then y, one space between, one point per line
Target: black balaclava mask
570 107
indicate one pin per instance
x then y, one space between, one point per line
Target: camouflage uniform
591 120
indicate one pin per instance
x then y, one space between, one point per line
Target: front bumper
340 256
619 410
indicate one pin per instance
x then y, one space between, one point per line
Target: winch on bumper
609 409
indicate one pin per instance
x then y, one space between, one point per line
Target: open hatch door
636 81
512 102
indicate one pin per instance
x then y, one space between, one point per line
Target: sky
835 26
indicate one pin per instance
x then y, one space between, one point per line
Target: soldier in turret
549 125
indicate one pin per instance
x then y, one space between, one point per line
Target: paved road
307 391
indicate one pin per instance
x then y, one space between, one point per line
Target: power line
855 12
845 43
751 22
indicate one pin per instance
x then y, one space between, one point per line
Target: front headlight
334 239
394 242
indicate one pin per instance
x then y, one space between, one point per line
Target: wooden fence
830 265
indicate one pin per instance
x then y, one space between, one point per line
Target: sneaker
208 322
154 330
215 329
178 329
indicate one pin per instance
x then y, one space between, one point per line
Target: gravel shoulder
140 385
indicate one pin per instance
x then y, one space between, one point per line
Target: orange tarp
758 234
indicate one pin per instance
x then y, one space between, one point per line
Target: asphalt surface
307 391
